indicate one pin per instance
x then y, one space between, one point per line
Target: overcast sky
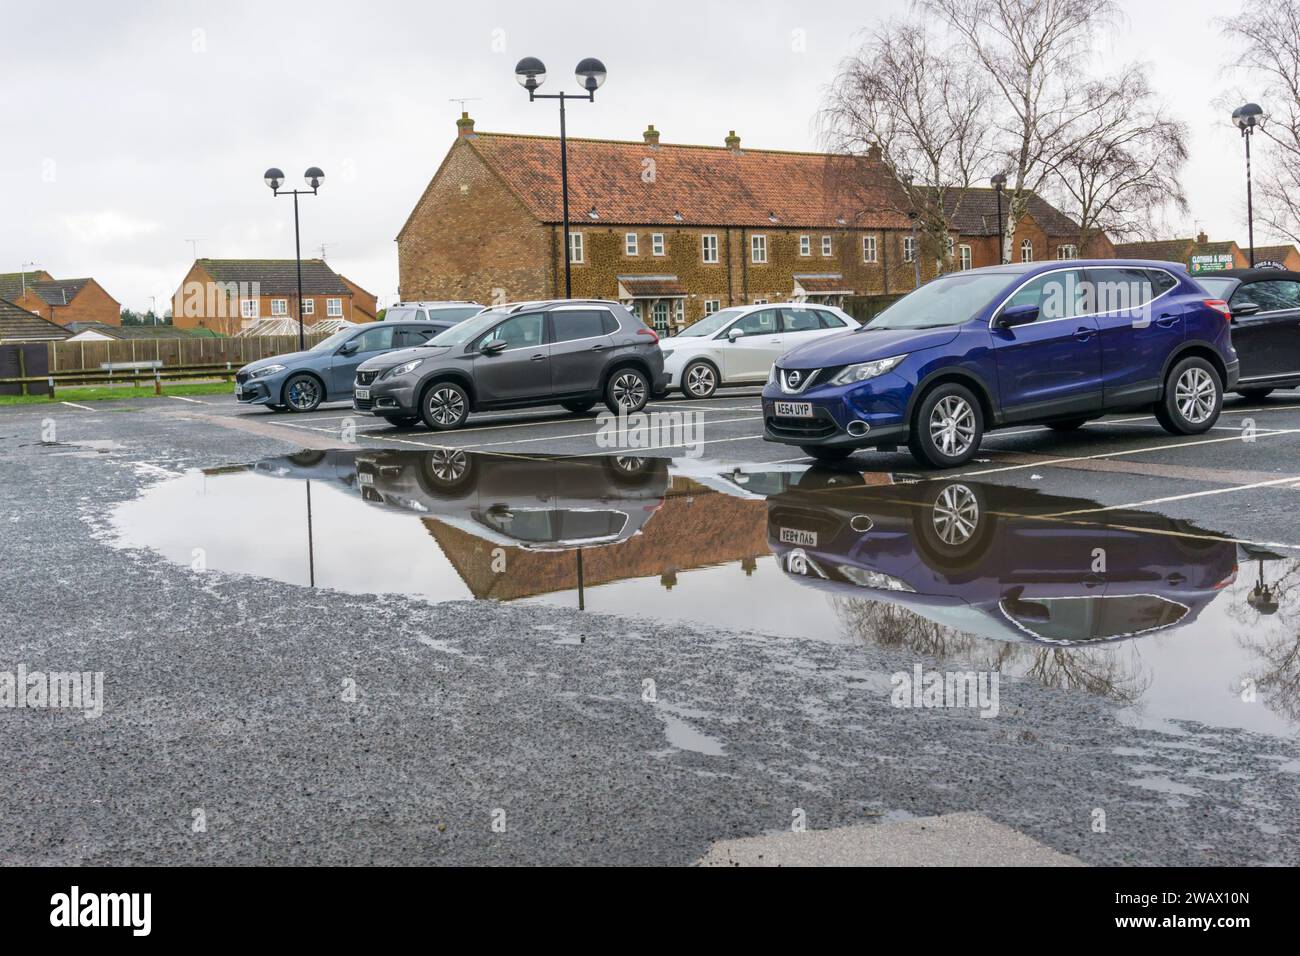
132 127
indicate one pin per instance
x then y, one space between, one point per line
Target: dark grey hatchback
560 352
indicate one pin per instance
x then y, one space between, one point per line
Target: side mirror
1016 315
493 347
1245 308
348 348
734 334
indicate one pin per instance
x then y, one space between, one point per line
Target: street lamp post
1246 119
531 73
275 179
1000 183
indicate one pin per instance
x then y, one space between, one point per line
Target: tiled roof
822 283
1164 250
640 286
1278 253
58 291
138 331
12 283
704 185
19 325
974 212
278 276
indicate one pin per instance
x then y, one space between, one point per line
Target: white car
738 346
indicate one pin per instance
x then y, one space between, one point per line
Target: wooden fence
183 353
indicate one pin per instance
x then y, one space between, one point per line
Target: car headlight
866 370
403 368
771 376
864 578
268 370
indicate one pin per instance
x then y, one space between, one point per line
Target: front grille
367 378
363 404
796 380
242 377
800 427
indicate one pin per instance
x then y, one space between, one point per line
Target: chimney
1202 238
873 152
733 142
651 135
464 126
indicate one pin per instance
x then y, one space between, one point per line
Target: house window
279 307
759 302
805 245
1067 252
660 314
909 248
709 246
869 253
656 243
1027 250
964 256
712 305
629 244
248 309
334 308
308 306
827 246
575 247
758 249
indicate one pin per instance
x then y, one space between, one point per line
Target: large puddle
1167 619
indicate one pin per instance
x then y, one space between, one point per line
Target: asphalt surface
228 698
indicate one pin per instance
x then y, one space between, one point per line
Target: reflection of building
694 528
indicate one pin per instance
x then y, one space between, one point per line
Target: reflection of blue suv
300 381
1050 343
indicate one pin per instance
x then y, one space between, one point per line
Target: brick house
1044 232
61 300
19 325
227 295
1229 254
1288 257
672 231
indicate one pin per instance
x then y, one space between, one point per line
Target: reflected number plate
365 478
807 539
794 409
363 393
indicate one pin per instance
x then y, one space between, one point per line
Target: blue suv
1051 343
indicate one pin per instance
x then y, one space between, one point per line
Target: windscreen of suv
462 332
710 323
948 300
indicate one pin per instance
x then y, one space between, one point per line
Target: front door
1051 366
343 368
750 357
580 345
522 369
1267 341
1140 325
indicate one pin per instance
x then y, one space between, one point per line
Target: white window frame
279 308
658 246
758 249
805 245
577 248
759 302
870 250
909 248
630 247
1067 250
334 308
308 306
712 305
963 257
250 308
709 247
828 247
1026 250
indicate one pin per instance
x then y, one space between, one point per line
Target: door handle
1083 334
1167 321
538 357
1176 579
597 348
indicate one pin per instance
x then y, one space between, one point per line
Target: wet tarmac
1167 619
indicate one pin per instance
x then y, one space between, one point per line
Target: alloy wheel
952 426
447 464
1195 395
700 380
956 515
303 393
629 390
446 406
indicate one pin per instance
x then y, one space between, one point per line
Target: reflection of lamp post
531 73
582 591
1247 118
275 179
1000 183
1261 595
311 547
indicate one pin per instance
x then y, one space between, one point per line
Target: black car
563 352
1265 306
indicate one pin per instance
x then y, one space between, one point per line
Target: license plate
239 394
365 477
806 539
794 409
363 393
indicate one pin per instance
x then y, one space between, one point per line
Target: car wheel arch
448 375
618 363
1195 349
962 377
707 360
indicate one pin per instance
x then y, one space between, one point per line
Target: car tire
700 380
947 427
1069 425
579 408
952 526
826 452
627 391
303 393
1255 394
402 421
1193 398
444 406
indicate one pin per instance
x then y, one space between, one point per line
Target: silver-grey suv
560 352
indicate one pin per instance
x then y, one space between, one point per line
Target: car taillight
1230 579
654 336
1218 305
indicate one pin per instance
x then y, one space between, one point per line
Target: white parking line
75 405
1293 480
182 398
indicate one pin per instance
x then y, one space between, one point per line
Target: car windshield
947 300
1219 288
461 333
402 312
709 324
334 341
